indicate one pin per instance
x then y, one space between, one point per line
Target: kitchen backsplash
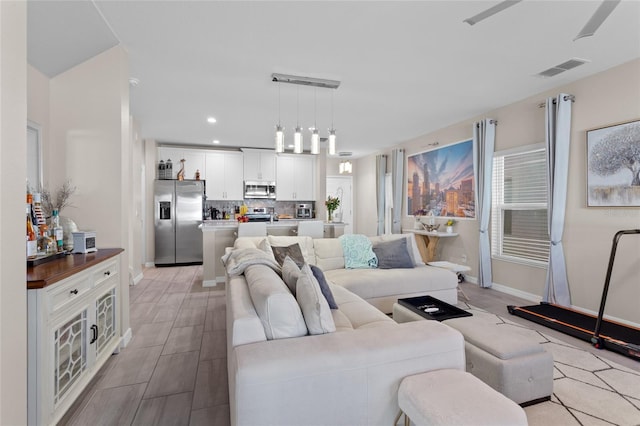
279 207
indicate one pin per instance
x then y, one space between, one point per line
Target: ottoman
505 357
454 397
510 362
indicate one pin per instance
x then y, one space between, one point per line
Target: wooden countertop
48 273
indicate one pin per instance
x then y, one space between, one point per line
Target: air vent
560 68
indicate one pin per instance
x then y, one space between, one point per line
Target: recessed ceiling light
211 120
216 141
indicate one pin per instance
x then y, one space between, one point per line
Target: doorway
342 187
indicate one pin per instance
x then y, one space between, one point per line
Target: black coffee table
433 309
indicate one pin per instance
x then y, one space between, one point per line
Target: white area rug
587 390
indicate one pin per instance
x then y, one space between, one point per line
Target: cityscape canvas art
613 166
441 181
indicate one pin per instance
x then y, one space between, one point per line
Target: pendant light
297 136
332 133
315 137
279 130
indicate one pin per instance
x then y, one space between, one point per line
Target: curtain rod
565 98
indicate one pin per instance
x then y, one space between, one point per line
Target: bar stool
311 228
252 229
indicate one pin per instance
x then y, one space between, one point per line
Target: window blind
519 206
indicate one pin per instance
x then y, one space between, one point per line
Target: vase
330 215
449 229
68 227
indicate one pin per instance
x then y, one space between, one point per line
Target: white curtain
484 135
558 135
381 170
388 203
397 156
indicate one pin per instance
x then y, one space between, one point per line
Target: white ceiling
407 68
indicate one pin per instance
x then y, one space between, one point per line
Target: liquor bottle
37 208
57 232
32 242
46 244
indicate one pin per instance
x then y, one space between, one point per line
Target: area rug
587 390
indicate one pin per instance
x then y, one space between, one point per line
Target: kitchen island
219 234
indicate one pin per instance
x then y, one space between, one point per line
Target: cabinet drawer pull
74 291
107 273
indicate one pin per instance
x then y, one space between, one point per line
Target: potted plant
332 204
449 225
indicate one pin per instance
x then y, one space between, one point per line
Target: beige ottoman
512 363
505 357
454 397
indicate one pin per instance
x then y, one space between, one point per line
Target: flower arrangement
450 222
332 204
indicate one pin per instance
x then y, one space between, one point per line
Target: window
519 206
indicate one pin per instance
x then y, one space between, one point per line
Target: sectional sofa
348 374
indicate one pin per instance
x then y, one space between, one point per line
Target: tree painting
614 165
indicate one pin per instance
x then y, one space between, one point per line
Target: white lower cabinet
73 329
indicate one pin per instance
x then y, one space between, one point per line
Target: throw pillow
293 251
315 309
324 286
393 254
357 251
290 274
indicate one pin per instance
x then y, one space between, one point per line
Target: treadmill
602 333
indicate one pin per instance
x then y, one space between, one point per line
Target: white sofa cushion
290 274
315 308
277 309
329 254
373 283
357 311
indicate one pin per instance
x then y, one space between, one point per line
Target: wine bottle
32 242
57 232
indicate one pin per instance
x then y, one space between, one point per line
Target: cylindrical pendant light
315 137
279 130
332 132
297 141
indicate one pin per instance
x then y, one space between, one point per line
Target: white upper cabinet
259 165
224 175
295 177
194 161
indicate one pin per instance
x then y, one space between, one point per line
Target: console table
427 242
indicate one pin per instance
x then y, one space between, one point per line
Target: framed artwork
613 166
441 180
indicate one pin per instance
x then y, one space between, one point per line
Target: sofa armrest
349 377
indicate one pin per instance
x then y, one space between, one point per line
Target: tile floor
174 370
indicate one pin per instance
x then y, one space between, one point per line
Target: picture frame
613 165
450 180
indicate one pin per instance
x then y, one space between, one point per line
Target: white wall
13 175
135 217
601 100
89 143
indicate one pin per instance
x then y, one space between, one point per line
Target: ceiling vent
560 68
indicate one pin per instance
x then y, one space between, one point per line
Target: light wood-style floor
174 369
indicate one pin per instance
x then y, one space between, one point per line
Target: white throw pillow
290 274
315 308
276 307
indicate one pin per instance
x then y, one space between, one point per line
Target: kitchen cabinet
224 175
259 165
295 177
73 328
194 160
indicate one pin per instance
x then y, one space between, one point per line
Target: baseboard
209 283
126 338
149 264
137 278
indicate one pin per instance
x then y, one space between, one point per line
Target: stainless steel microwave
257 189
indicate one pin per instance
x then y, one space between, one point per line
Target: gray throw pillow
393 254
324 286
293 251
290 274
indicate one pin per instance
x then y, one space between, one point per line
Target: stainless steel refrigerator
178 221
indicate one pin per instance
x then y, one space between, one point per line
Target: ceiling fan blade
491 11
603 11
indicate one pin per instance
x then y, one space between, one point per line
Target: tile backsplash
279 207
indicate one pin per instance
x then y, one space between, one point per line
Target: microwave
258 189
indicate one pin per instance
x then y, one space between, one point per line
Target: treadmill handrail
605 290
